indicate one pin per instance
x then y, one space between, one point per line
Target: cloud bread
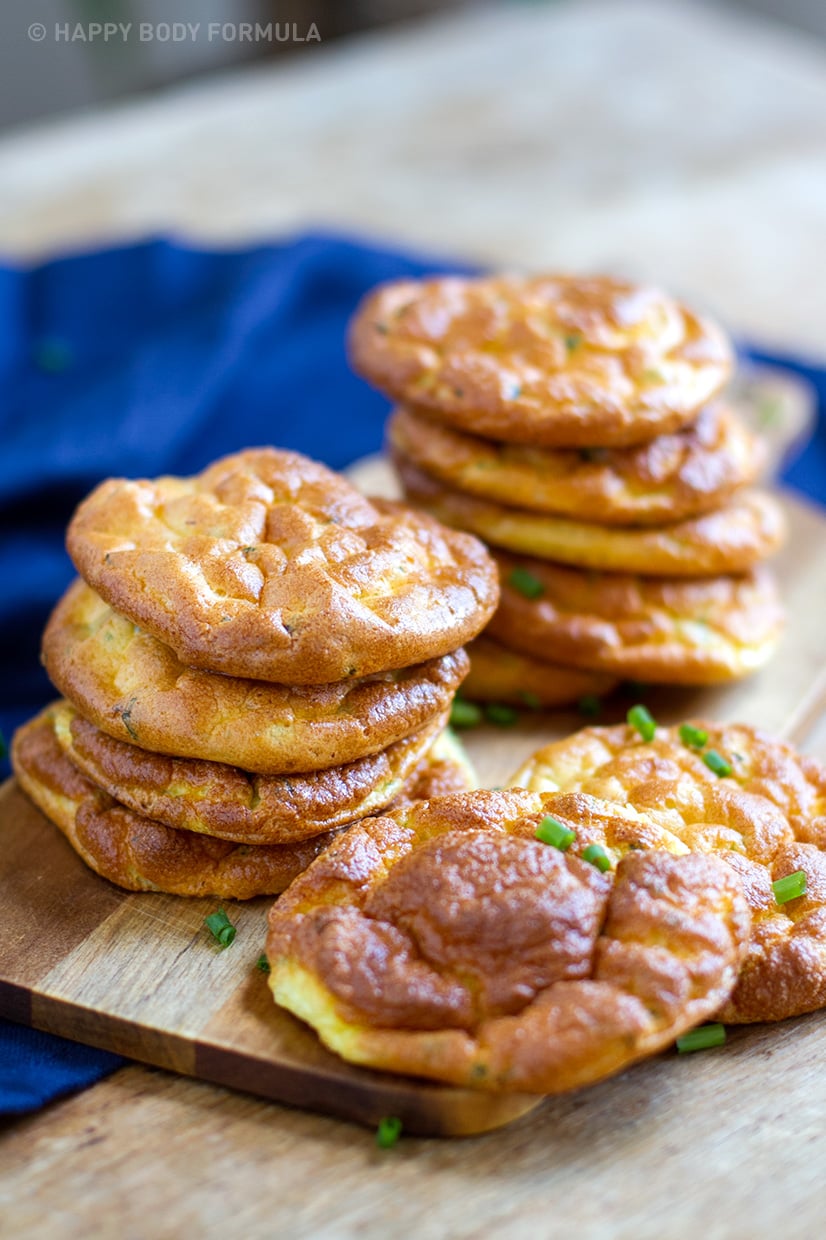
498 674
141 854
213 798
444 940
269 565
767 820
134 688
669 477
729 540
670 630
561 361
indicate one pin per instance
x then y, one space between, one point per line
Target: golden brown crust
141 854
138 853
767 820
446 941
268 565
672 631
135 689
665 479
498 674
553 360
731 539
214 798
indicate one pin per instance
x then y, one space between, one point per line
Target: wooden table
659 139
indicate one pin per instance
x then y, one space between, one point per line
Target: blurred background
39 79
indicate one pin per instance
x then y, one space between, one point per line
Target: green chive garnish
503 716
597 856
555 833
702 1039
790 887
590 706
695 738
262 963
220 927
523 580
640 717
531 699
717 763
572 342
388 1132
464 714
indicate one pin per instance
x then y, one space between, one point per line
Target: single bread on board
732 539
270 566
666 479
134 688
553 360
142 854
699 630
447 941
731 789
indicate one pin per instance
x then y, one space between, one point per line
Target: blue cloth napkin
155 358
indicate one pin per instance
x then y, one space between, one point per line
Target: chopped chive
597 856
464 714
590 706
640 717
388 1132
525 582
503 716
702 1039
220 927
3 749
695 738
52 355
262 963
572 342
552 832
530 699
790 887
717 763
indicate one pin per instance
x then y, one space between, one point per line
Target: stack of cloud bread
574 424
253 658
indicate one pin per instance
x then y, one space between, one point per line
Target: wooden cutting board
138 974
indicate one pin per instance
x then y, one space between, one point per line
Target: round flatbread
134 688
213 798
268 565
731 539
498 674
665 479
561 361
767 819
141 854
673 631
446 941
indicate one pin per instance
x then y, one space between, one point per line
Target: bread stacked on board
575 424
252 659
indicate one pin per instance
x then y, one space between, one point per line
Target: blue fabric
156 358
